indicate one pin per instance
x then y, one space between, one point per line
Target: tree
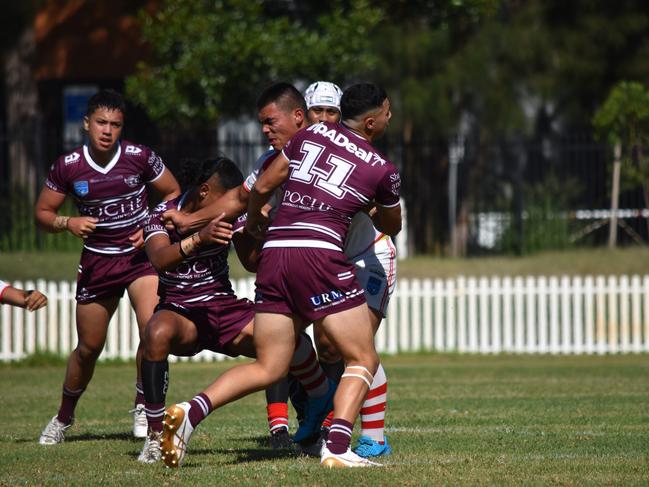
211 58
623 119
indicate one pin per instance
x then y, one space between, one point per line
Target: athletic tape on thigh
360 376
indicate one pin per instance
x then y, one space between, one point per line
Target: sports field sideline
452 420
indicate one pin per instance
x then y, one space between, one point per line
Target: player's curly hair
360 98
192 173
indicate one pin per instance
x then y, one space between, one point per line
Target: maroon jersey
115 194
334 173
201 277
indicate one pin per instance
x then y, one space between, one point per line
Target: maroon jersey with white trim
115 194
333 174
201 277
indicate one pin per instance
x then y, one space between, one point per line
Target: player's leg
356 345
92 327
376 271
274 340
373 441
143 294
167 332
277 413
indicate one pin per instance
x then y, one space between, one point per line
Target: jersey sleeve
154 224
154 166
240 223
389 188
3 288
56 180
260 164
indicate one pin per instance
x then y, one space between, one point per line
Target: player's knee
370 360
157 340
88 352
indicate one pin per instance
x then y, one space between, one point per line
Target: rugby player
198 309
374 258
31 300
108 178
303 275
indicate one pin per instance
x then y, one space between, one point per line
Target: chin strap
365 375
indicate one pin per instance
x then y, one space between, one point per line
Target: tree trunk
615 195
22 114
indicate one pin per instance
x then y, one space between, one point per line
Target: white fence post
461 314
613 325
636 330
428 313
530 315
566 336
508 331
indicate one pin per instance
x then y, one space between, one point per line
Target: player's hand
216 231
257 225
175 220
82 226
137 239
34 300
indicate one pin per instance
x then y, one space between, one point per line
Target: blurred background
519 126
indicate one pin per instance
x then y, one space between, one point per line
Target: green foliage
210 58
18 232
624 116
546 225
624 119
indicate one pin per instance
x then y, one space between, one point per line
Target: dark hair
361 98
106 99
193 174
285 95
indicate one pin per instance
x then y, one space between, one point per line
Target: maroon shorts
217 322
107 276
308 282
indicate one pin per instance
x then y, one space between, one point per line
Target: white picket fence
567 315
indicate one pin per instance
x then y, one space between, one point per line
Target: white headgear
323 94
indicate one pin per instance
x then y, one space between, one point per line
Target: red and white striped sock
306 368
277 416
373 409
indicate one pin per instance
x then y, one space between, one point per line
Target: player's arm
48 219
31 300
165 256
233 203
166 185
387 219
271 179
248 249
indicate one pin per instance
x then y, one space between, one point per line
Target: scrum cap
323 94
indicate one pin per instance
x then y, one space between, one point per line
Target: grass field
630 260
452 420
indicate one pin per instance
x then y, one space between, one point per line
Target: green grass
630 260
452 420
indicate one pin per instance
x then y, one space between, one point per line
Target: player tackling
303 275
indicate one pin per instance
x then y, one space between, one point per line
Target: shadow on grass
91 437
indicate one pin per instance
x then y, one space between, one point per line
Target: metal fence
557 315
511 196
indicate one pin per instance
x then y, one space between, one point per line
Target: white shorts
376 271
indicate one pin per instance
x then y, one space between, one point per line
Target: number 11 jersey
334 173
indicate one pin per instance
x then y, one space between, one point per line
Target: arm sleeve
154 223
56 180
389 188
3 288
154 166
